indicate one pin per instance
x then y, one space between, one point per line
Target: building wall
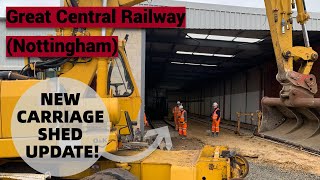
214 16
240 93
16 63
254 91
316 69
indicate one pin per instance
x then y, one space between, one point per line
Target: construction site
233 95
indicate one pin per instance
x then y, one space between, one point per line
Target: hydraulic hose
12 76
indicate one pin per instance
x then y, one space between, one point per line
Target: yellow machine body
97 73
11 91
210 165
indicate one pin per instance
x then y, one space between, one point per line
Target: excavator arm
293 117
280 17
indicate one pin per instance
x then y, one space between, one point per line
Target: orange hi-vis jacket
175 110
176 113
183 123
215 121
183 118
145 120
215 115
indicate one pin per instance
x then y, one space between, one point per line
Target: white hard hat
181 107
215 104
178 102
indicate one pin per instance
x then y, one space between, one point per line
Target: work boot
212 134
217 134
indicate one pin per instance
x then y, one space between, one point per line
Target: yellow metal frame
279 15
132 103
208 165
98 66
10 95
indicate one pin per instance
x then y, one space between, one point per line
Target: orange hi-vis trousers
215 121
215 126
182 125
183 129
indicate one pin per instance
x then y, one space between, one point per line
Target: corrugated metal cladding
211 16
16 63
199 16
239 93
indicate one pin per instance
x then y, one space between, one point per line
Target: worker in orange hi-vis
215 119
183 122
176 113
145 120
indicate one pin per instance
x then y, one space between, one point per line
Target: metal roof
212 16
163 44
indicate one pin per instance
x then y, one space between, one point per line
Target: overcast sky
312 5
4 3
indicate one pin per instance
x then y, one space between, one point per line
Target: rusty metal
251 115
291 144
294 118
297 86
298 102
259 115
297 124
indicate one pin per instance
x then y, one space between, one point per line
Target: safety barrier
257 114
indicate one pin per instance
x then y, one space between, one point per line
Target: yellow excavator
294 117
113 81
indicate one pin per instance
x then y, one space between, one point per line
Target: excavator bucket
297 126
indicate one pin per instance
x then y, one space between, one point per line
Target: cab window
119 78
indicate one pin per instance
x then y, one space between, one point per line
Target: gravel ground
264 171
258 170
276 163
